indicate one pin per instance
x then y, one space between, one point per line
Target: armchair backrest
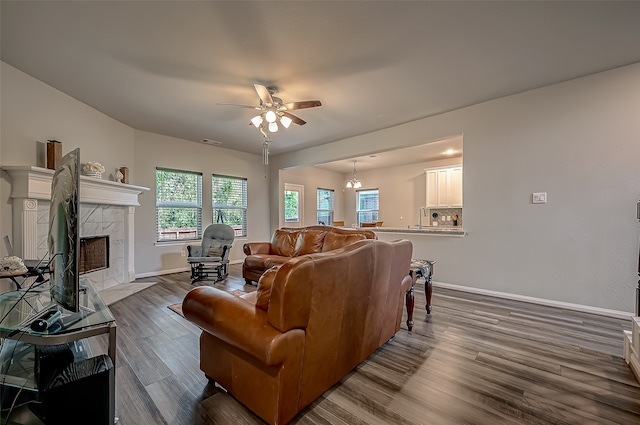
215 238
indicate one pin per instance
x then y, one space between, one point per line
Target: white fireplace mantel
30 184
35 183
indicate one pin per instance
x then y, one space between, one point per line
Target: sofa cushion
309 242
284 241
215 252
263 293
264 261
335 240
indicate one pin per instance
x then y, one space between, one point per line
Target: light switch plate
540 198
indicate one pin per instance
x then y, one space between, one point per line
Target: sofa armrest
251 248
226 250
406 283
239 323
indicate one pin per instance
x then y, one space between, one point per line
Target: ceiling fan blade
238 106
293 118
302 105
264 94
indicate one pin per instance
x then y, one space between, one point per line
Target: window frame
359 211
330 211
243 231
197 205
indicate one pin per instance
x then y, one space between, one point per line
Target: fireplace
106 208
94 254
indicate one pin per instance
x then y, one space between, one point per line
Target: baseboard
541 301
178 270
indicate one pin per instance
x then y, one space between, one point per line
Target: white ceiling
163 66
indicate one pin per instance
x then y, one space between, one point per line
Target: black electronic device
64 232
76 392
46 320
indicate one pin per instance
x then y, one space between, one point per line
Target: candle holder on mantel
125 175
54 154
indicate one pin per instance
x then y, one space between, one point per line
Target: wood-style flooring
474 360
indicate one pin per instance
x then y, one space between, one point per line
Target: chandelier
354 182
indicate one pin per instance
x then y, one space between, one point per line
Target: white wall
313 178
33 112
579 142
154 150
402 191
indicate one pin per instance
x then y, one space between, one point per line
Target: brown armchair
312 320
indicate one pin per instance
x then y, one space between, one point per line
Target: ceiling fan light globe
257 120
271 117
285 121
273 127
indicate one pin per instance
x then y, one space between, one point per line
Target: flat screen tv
64 233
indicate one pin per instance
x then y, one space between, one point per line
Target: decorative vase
95 175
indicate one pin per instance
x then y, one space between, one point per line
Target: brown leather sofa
311 321
293 242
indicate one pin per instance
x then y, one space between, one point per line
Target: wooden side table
419 268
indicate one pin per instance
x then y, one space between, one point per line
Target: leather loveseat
293 242
311 321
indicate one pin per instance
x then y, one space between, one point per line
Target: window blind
178 205
229 202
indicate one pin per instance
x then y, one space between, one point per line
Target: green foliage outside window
229 196
291 205
178 204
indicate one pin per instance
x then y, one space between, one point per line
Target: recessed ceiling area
415 154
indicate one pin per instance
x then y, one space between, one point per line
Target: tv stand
21 360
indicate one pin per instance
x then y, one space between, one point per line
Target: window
367 205
292 204
325 206
178 205
229 202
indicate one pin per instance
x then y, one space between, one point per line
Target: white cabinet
444 187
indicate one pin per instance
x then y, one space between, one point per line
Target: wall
577 141
402 191
313 178
154 150
33 112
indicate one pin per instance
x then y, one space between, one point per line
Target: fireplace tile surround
106 208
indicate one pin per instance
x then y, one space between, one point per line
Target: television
64 233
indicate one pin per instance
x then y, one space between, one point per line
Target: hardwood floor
475 360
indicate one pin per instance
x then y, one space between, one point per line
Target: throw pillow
264 288
334 240
309 242
283 242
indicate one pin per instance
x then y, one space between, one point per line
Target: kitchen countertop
427 230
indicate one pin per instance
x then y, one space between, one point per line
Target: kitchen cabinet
444 187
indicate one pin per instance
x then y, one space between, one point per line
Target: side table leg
429 290
410 300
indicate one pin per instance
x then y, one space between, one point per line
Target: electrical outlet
183 252
540 198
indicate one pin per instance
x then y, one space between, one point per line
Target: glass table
19 308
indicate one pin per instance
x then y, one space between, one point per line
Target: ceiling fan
273 110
